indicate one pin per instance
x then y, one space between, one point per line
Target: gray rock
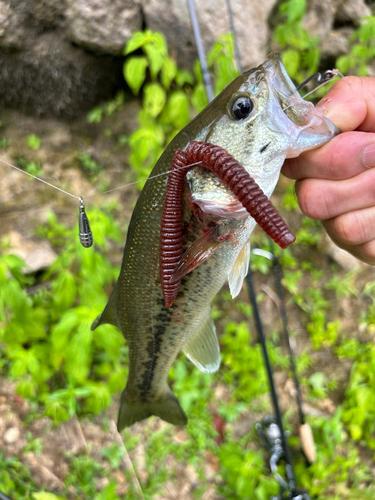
175 23
336 43
37 254
320 17
103 26
11 435
13 36
352 10
55 78
41 13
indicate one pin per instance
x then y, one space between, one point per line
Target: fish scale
155 333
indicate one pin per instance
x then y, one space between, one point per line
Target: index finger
350 105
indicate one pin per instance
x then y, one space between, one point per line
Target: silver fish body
280 125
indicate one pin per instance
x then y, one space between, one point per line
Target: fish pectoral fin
109 315
166 407
239 270
202 248
203 347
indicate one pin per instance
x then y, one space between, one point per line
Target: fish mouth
314 128
279 77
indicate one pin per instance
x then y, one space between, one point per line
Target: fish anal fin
202 248
239 270
166 407
203 347
109 315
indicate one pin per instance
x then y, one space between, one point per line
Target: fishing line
321 78
85 234
232 28
144 180
39 179
200 48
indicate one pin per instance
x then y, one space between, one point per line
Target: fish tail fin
167 408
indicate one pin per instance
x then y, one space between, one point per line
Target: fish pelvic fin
109 315
239 270
203 347
166 407
202 248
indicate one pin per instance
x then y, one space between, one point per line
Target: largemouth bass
260 119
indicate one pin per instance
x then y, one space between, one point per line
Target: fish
260 119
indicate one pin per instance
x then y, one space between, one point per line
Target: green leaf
343 64
135 72
154 98
291 61
177 109
355 432
109 493
199 98
33 142
137 41
44 495
26 388
168 72
64 290
183 77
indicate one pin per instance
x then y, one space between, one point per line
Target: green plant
88 163
15 479
362 49
245 473
300 51
358 409
33 142
82 474
48 343
96 114
31 167
167 93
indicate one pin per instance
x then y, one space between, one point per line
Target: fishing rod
201 53
274 436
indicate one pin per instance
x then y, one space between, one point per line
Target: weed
33 142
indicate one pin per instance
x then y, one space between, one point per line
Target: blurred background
91 92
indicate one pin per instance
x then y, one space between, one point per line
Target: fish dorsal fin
239 270
203 347
202 248
109 315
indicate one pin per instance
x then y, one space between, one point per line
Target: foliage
168 94
31 167
165 107
49 347
362 49
245 472
15 479
300 51
89 164
33 142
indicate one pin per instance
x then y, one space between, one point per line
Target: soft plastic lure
237 179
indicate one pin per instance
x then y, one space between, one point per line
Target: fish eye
242 107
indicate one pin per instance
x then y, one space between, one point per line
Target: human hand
336 183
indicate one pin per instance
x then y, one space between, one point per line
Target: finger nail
368 156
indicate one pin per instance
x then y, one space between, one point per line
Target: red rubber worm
237 179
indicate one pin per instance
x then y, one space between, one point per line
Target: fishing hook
320 77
